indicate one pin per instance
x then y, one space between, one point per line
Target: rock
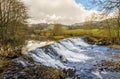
69 72
63 59
16 71
1 69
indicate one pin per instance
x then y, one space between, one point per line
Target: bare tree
12 15
110 6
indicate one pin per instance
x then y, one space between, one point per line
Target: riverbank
115 46
14 70
101 41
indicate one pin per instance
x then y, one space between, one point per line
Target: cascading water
73 53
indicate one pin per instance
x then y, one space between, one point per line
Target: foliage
12 26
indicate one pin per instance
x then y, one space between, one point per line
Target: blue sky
85 3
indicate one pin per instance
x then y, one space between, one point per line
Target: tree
110 6
107 5
57 30
12 18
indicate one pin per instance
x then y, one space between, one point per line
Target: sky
58 11
85 3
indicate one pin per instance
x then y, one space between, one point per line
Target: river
74 53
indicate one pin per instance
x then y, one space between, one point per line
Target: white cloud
56 11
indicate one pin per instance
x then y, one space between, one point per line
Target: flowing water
76 54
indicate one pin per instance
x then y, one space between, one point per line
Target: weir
73 53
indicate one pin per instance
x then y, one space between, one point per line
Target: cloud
56 11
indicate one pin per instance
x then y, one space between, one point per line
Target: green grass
85 32
65 33
51 27
91 32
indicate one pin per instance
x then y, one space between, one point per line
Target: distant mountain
91 24
78 24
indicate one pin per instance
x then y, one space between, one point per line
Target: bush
9 52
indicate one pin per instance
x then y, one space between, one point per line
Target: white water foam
75 51
32 45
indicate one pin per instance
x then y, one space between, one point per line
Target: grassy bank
94 34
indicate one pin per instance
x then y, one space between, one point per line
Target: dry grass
115 46
113 63
117 55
